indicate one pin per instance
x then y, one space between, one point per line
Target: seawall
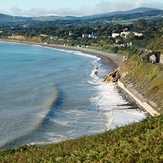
142 102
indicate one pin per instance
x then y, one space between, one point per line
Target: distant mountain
8 19
139 12
54 18
4 16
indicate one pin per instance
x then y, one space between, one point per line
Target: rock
112 76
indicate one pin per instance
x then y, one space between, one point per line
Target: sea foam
111 103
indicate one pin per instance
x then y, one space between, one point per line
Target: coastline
111 59
143 103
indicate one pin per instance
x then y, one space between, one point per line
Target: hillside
140 13
156 44
134 11
146 78
139 142
8 19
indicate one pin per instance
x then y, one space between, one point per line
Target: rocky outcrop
112 76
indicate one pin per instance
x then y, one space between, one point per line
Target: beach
40 86
112 59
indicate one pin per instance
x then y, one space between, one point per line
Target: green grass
138 142
146 77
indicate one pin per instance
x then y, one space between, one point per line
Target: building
115 35
137 34
124 34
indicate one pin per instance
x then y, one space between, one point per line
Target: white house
137 34
115 35
43 35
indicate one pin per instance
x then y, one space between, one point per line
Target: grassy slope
147 78
139 142
156 44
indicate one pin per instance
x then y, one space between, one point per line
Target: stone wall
161 58
140 101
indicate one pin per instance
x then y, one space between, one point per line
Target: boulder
112 76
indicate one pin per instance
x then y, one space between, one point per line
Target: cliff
112 76
143 80
146 78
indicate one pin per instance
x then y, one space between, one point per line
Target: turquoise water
49 95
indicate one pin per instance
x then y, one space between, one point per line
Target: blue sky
71 7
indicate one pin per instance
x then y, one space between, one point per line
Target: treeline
89 33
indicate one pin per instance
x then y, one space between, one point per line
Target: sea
49 95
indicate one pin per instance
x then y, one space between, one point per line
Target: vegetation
156 44
74 33
146 78
138 142
124 17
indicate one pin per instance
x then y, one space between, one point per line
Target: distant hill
54 18
138 12
8 19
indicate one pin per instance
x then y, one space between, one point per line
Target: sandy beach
112 59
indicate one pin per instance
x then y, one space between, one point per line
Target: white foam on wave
50 137
108 97
85 54
112 104
74 115
76 52
94 71
60 122
54 137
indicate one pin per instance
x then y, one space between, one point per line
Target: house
124 34
89 35
115 35
137 34
43 35
92 35
70 33
84 35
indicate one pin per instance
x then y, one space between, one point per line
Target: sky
72 7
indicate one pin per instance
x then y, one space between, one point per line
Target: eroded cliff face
112 76
145 78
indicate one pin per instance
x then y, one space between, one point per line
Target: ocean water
49 95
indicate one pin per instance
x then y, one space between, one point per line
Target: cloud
102 7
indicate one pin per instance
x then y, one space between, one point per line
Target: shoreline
139 101
112 59
109 58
